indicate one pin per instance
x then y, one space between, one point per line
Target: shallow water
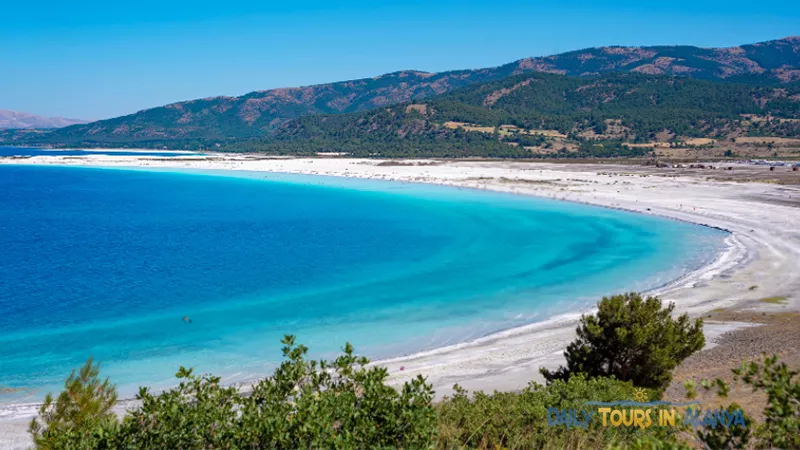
30 151
107 263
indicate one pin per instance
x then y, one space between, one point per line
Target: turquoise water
30 151
107 262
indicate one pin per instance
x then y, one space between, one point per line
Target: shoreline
506 360
108 150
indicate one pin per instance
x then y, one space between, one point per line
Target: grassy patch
525 181
776 300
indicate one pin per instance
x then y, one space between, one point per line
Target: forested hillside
545 114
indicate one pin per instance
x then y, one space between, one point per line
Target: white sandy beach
764 247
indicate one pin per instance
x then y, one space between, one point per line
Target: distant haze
15 119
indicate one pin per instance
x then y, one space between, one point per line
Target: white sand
764 245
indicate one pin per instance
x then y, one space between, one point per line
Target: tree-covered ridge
769 59
643 104
513 117
257 113
261 112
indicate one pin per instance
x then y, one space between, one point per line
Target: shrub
631 339
723 438
305 404
519 420
81 414
782 413
651 443
782 386
199 413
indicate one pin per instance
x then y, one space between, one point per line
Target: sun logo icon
640 395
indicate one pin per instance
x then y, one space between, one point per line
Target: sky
99 59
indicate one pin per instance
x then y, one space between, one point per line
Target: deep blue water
28 151
107 262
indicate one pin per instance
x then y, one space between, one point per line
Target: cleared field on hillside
469 127
768 140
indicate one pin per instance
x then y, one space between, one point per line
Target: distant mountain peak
21 120
405 74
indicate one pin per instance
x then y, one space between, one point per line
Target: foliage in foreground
78 414
632 339
520 420
345 404
782 385
781 427
309 404
305 404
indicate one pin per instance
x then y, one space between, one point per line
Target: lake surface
108 262
29 151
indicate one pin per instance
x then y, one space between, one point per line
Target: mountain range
21 120
278 115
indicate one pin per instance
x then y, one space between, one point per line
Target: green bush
81 414
345 405
632 339
519 420
651 443
723 438
305 404
781 428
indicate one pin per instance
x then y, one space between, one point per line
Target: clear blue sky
93 59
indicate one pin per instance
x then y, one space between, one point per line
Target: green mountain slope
523 113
